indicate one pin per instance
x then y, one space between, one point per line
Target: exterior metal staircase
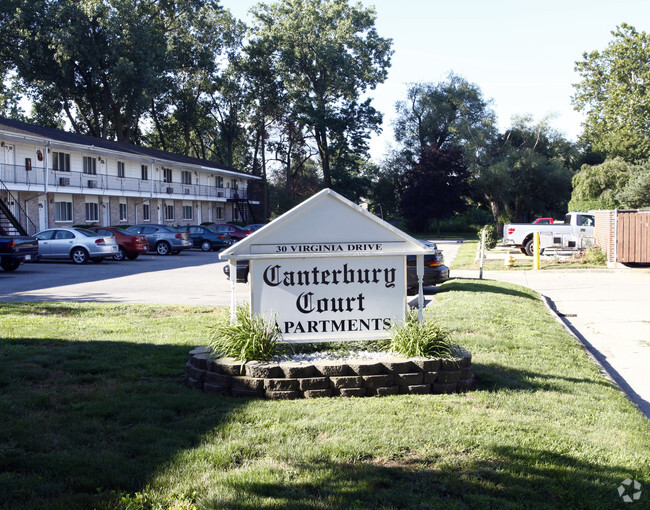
244 208
9 224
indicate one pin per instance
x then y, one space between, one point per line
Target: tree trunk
496 212
321 139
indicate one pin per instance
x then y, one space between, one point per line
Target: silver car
163 239
77 244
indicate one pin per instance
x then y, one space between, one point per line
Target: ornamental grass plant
251 337
426 339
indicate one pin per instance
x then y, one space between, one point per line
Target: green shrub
414 339
490 236
594 255
251 338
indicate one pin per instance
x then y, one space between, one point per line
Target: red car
235 232
131 246
543 221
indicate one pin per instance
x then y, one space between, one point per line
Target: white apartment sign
337 297
328 271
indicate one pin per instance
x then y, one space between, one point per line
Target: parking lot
192 277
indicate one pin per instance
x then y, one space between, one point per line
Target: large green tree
636 193
327 54
597 186
527 175
104 65
450 113
449 117
614 92
436 187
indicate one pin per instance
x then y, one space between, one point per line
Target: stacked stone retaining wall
360 378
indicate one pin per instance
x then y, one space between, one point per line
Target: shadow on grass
463 285
509 478
495 377
83 422
21 308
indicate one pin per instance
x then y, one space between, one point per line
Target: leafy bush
491 238
414 339
251 338
594 255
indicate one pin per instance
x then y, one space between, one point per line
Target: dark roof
101 143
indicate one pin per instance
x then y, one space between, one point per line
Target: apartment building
49 177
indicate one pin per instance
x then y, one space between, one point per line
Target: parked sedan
435 270
163 239
206 238
254 226
130 246
77 244
235 232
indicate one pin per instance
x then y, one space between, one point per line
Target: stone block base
362 378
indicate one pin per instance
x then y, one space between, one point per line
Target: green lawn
94 415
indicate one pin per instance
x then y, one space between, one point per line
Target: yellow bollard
536 264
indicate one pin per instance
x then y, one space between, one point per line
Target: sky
520 53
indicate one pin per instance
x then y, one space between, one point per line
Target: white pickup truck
577 225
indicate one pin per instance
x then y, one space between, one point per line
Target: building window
120 168
219 213
144 169
61 161
169 212
146 215
92 211
186 177
188 212
219 181
122 212
62 211
167 175
90 165
234 184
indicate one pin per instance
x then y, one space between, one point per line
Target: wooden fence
633 237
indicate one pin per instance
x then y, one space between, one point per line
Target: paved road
609 310
192 277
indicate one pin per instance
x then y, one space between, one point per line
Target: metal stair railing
9 224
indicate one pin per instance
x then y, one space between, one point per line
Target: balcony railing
69 182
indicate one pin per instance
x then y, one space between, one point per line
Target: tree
436 187
103 63
597 186
327 55
527 175
614 92
636 193
10 95
386 186
449 113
